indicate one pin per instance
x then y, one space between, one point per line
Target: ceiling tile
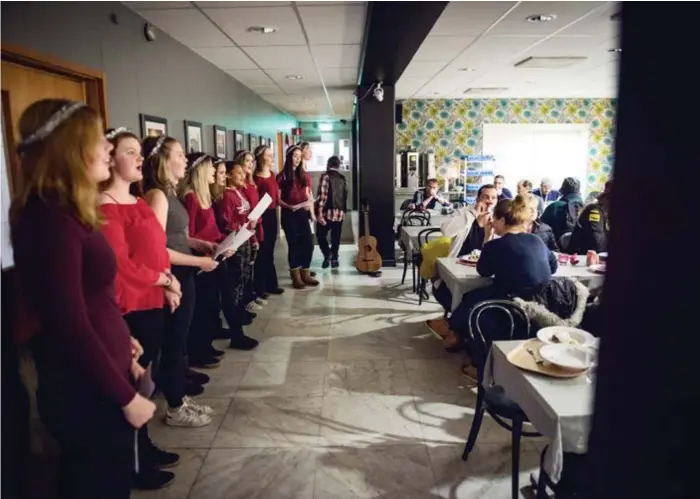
336 56
251 77
469 18
418 69
221 5
266 89
489 51
334 24
516 24
335 77
157 5
598 24
187 26
406 87
226 57
290 57
441 48
236 21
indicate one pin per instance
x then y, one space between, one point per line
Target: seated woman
427 198
537 227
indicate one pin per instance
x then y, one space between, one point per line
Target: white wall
5 246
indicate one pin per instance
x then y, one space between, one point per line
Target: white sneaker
185 416
253 307
200 408
261 301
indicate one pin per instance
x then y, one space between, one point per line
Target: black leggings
147 326
300 241
265 275
171 375
335 228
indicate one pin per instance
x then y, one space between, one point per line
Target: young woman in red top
213 294
294 185
143 282
85 363
265 271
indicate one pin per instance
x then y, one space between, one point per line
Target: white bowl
568 357
546 335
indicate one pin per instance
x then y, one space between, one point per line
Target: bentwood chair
411 218
501 320
423 237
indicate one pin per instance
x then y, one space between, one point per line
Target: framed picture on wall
252 142
193 136
153 126
220 141
238 141
261 140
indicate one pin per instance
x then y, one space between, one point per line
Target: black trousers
335 228
147 326
265 273
300 241
171 374
237 274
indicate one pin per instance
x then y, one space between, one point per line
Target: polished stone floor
348 396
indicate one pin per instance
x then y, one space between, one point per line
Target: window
320 152
533 152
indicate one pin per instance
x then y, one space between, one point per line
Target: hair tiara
56 119
197 161
116 132
158 145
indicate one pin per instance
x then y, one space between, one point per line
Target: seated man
593 226
428 198
563 214
546 192
503 192
525 187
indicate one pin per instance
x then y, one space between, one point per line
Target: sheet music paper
233 241
260 207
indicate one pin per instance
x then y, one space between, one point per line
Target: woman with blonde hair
86 363
163 170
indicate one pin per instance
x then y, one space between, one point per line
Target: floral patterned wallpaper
453 128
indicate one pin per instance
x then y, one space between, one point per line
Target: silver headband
159 144
51 124
198 161
116 131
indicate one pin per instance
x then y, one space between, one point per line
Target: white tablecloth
462 278
560 409
409 236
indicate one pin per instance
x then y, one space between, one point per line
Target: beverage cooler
414 169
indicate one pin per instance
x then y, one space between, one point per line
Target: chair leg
413 274
476 426
515 458
405 267
420 290
542 479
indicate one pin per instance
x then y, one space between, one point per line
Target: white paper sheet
233 241
260 208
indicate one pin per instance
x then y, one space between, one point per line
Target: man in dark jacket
331 205
563 214
593 226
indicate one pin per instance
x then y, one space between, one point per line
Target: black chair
411 218
504 320
418 260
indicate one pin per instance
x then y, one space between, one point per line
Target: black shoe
243 342
217 354
335 264
265 296
204 363
222 334
155 457
152 479
325 263
276 291
193 389
196 377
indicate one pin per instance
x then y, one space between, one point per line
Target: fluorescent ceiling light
325 127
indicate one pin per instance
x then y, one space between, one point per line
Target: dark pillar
377 158
355 170
644 439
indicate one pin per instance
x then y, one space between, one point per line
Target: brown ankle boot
297 282
306 277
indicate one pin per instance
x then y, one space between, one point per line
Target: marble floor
347 396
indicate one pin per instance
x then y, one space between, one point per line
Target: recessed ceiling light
467 70
615 50
262 30
541 18
294 77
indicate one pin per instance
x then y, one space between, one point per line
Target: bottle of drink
592 258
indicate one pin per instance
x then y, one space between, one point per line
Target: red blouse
202 222
139 244
269 186
232 211
297 194
251 193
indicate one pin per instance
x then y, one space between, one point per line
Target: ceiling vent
549 62
484 90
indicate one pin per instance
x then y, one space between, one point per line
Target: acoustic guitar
368 259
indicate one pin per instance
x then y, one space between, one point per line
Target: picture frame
193 137
220 141
252 142
152 126
261 140
238 141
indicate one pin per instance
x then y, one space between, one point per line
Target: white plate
603 256
566 356
598 268
583 338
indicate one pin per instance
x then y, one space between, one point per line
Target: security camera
379 92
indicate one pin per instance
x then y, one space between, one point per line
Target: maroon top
269 186
202 222
139 243
297 193
251 194
67 272
232 211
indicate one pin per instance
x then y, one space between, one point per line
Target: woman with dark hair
217 188
294 185
144 283
85 361
163 169
265 271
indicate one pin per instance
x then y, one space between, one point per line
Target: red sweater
232 211
68 280
296 193
251 193
202 222
269 186
139 243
